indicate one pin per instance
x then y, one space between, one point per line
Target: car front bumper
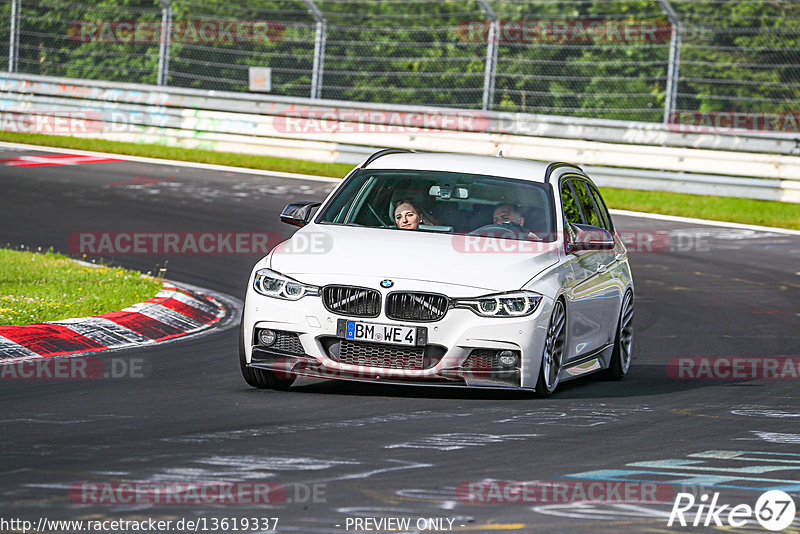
456 337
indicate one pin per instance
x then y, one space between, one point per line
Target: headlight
272 284
513 304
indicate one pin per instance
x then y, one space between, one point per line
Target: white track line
706 222
174 163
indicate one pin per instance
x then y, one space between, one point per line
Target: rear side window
602 212
585 203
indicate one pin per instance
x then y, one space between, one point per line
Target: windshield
444 202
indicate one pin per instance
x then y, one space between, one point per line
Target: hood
317 254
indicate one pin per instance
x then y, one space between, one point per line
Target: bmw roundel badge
387 283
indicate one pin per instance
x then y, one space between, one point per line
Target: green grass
38 287
739 210
761 212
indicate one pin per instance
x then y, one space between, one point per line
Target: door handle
602 268
618 256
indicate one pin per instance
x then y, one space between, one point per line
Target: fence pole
321 35
673 68
491 55
166 36
13 44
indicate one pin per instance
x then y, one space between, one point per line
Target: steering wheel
498 229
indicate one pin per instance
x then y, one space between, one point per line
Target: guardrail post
320 37
491 55
13 44
673 69
166 35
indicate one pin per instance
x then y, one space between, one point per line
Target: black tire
259 378
623 342
553 354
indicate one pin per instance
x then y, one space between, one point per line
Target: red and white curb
174 312
55 159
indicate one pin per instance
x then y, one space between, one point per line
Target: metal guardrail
697 184
619 153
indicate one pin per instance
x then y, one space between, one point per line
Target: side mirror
586 237
299 213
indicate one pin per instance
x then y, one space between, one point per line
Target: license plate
381 333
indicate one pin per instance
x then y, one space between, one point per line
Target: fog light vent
508 358
267 337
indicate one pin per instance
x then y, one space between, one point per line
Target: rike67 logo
774 510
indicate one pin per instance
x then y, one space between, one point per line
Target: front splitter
292 365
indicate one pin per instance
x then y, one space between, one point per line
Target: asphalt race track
343 451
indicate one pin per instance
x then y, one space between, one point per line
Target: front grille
378 355
354 301
416 306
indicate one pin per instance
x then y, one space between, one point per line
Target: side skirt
590 363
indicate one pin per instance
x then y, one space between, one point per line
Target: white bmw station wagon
444 270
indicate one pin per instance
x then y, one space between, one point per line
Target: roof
470 164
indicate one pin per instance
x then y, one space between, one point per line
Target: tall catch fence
636 60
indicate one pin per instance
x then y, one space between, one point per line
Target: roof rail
384 152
